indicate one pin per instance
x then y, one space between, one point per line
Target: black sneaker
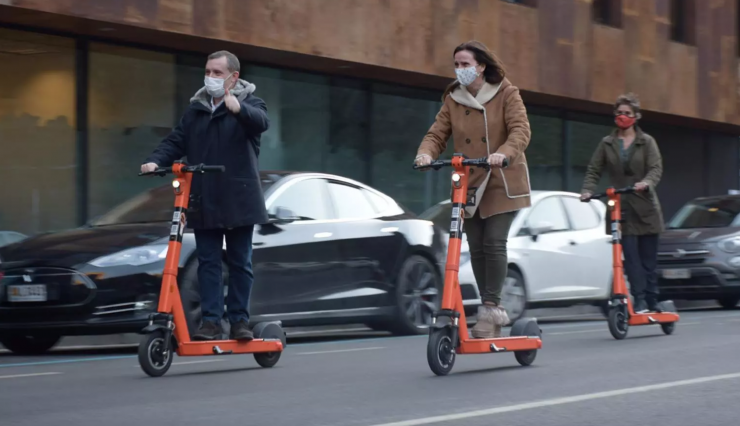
654 306
641 307
208 331
240 331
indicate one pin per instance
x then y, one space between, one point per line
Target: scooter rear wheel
526 327
618 322
440 351
268 331
668 327
152 358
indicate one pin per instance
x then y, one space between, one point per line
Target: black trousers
640 263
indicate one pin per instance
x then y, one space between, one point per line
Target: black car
334 251
699 253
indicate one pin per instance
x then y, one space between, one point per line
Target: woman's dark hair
494 72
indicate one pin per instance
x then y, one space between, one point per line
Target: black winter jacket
233 198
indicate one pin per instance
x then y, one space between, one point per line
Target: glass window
349 202
38 166
132 107
155 205
582 215
378 202
585 133
306 199
400 117
708 213
549 211
545 150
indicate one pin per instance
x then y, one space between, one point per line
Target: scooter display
167 332
448 334
621 312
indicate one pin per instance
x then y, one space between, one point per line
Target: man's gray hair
232 62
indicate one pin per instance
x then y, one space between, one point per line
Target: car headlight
136 256
730 245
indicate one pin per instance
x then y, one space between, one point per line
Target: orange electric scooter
167 331
621 313
448 334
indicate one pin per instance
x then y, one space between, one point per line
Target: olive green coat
641 211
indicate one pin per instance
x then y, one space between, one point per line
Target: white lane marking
341 350
319 332
562 401
574 332
601 329
17 376
205 361
198 362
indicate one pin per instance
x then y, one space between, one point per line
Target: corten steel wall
552 49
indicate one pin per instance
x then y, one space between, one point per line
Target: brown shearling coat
498 111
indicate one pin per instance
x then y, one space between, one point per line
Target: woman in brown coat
632 158
485 116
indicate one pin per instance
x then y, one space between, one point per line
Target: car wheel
190 293
30 344
418 295
728 302
514 295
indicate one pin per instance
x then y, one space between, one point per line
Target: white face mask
466 76
215 86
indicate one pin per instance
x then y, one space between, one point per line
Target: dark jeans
640 262
239 260
487 239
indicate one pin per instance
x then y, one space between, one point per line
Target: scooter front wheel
153 359
441 351
618 322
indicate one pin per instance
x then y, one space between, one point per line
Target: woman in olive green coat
632 158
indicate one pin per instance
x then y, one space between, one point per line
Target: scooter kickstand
219 351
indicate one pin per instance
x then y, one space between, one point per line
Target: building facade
89 87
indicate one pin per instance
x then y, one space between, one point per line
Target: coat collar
639 136
486 93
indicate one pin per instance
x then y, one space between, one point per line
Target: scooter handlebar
473 162
198 168
626 190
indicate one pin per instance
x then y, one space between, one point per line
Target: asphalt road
582 376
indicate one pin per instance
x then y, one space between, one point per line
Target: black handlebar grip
214 168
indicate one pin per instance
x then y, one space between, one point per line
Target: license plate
676 274
27 293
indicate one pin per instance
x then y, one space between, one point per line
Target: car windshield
156 205
715 213
439 214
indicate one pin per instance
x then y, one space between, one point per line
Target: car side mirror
285 215
540 228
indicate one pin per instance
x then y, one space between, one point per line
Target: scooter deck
651 318
226 347
500 344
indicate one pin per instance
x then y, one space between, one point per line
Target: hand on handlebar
496 160
586 196
423 160
149 167
641 186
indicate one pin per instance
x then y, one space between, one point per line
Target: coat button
472 170
467 112
467 140
483 139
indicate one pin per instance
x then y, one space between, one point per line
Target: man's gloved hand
148 167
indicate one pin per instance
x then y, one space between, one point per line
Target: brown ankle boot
490 320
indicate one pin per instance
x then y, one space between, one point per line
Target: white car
559 254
